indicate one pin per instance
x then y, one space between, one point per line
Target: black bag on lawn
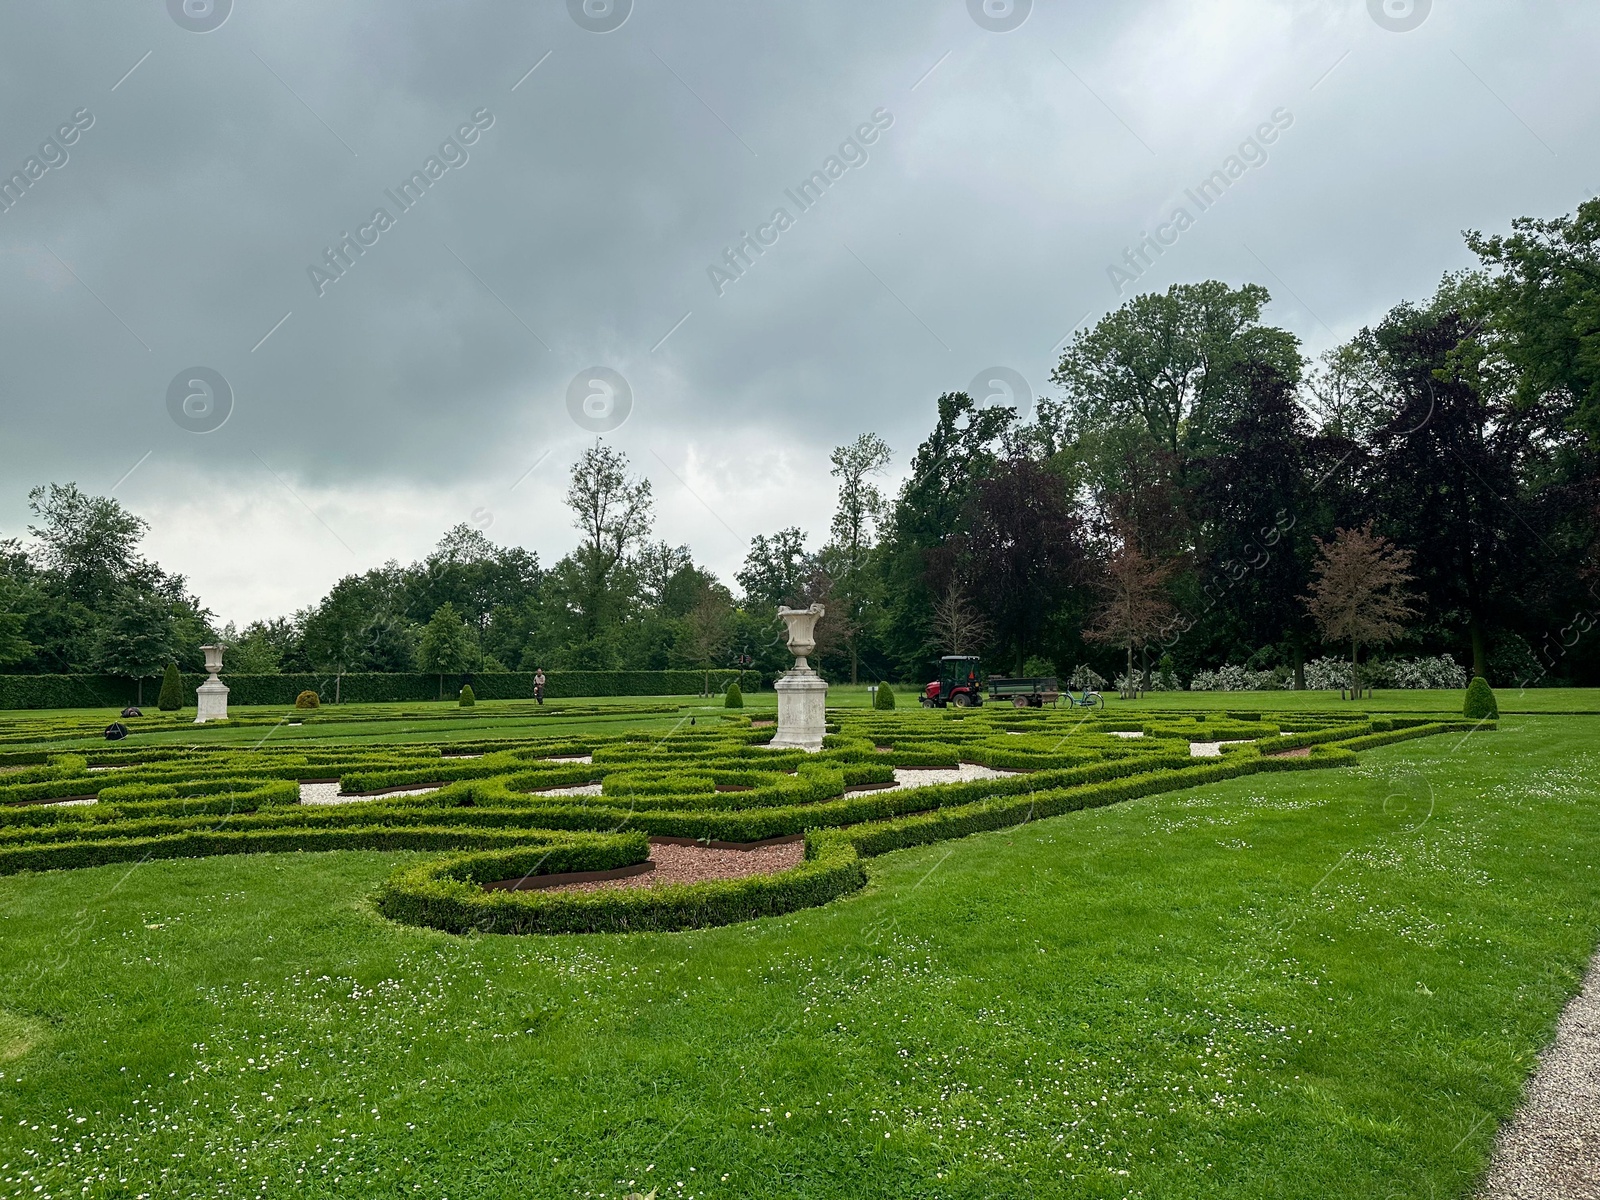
116 731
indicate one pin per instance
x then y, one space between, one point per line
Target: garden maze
508 823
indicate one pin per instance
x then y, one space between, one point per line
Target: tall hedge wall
112 691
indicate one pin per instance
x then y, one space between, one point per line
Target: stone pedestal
212 695
802 710
802 693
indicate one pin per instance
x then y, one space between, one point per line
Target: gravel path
1551 1149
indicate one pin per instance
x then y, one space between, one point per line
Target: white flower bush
1233 678
1086 679
1333 674
1440 672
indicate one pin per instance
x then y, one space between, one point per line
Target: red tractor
960 683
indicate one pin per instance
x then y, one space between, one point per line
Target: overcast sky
211 166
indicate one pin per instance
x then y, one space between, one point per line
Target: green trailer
1033 692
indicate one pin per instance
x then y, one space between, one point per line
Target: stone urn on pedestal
802 693
213 693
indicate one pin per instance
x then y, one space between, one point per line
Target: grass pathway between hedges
1286 985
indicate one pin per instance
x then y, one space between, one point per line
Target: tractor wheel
962 700
1019 702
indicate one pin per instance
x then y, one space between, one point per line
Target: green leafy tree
612 511
446 648
90 542
883 698
137 639
775 568
848 556
1543 311
13 646
733 697
1163 363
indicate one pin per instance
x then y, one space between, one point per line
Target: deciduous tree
1359 592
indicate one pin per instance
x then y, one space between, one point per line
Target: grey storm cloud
339 255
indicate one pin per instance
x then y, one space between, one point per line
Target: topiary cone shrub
171 699
1480 703
883 697
308 699
467 698
733 697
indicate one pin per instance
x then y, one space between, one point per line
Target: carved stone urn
212 695
802 623
802 693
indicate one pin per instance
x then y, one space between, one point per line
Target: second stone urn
802 693
212 695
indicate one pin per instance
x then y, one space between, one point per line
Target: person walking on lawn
538 685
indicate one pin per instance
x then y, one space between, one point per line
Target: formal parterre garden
488 804
1208 952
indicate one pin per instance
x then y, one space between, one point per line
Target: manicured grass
1304 984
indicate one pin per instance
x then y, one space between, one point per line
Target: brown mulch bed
698 864
1303 752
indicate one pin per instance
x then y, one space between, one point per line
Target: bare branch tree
958 627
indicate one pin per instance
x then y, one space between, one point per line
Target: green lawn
1299 984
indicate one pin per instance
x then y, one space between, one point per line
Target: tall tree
775 568
1359 593
1545 311
1136 609
137 640
1022 550
1163 362
965 446
612 511
1444 467
446 648
857 514
1255 501
91 542
958 626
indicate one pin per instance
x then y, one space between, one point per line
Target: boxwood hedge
491 817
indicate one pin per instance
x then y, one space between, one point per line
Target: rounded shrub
733 697
467 698
171 699
308 699
883 697
1480 703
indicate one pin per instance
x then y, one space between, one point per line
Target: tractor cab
960 683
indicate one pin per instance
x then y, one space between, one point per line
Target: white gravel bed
1125 733
583 758
1212 749
587 789
906 777
328 793
1551 1149
70 803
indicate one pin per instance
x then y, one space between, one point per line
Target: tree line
1196 493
